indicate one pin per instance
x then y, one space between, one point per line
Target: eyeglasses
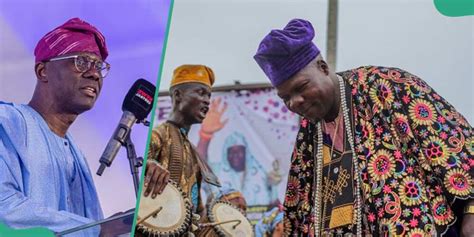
84 64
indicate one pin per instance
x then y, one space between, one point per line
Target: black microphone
136 106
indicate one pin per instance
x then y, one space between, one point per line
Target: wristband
205 135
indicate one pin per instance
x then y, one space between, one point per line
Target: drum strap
176 161
206 171
175 166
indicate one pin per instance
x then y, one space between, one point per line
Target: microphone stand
134 161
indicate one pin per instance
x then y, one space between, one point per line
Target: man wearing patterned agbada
378 153
171 155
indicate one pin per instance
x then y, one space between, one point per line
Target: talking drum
228 220
168 214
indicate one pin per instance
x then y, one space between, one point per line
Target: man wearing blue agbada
45 180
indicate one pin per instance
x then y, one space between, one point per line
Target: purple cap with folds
73 36
282 53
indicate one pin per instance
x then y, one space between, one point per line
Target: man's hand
467 226
156 178
212 123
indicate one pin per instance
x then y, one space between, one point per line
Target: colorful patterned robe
416 154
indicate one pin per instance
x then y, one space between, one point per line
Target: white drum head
222 211
174 216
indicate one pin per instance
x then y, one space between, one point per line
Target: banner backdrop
253 134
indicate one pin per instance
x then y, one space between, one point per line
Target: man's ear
323 66
40 71
177 95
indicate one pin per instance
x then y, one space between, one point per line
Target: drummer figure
232 196
228 195
271 224
171 155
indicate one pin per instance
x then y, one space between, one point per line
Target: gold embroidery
326 156
331 189
341 216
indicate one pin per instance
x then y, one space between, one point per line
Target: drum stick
149 215
221 223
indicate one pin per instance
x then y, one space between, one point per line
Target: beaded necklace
318 168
